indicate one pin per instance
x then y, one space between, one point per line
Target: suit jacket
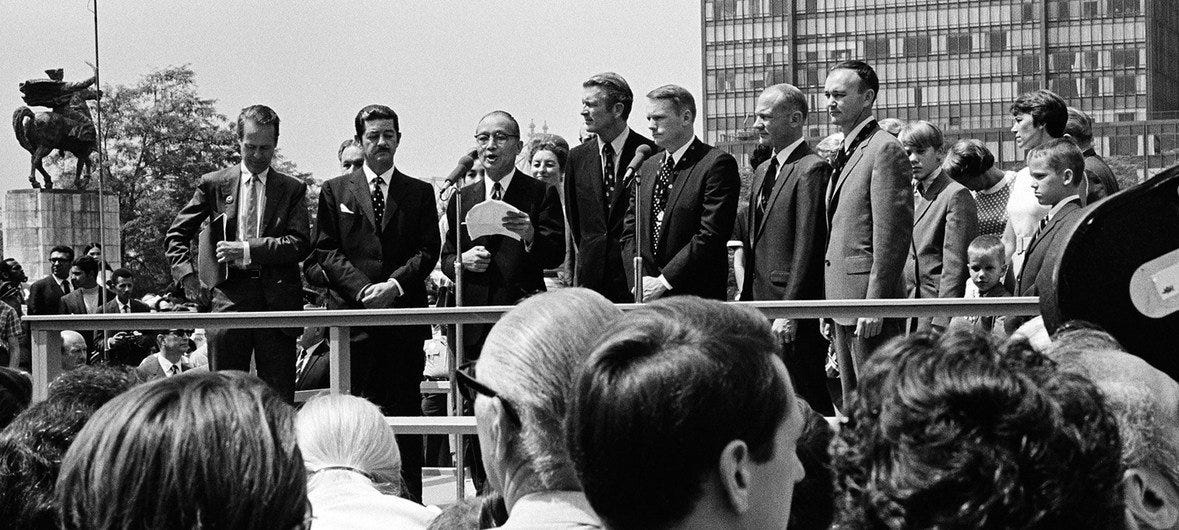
596 221
151 369
354 252
870 219
945 221
75 304
698 219
784 255
315 372
284 242
514 272
45 296
112 306
1035 277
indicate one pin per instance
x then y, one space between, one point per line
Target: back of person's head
201 449
1046 109
1079 126
892 126
1145 402
87 265
948 432
675 412
529 358
1061 154
813 503
967 160
16 391
339 433
91 386
472 513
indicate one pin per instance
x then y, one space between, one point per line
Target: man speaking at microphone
377 241
499 269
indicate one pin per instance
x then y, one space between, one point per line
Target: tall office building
958 64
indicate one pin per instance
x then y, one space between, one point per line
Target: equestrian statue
67 127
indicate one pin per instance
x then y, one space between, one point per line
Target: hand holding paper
491 218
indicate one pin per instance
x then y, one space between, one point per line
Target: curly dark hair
948 431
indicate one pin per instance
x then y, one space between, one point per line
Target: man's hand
867 328
653 288
1035 333
477 259
230 251
827 328
192 286
520 223
379 295
785 329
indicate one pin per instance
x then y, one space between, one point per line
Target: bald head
73 349
505 118
780 114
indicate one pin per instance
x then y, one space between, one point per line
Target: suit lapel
922 202
833 196
1049 228
358 185
391 203
683 173
231 188
273 194
473 195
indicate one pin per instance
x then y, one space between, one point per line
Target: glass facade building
958 64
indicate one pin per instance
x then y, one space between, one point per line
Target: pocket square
344 209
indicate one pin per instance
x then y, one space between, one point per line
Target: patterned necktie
174 370
378 199
126 308
767 187
497 192
251 230
608 171
662 188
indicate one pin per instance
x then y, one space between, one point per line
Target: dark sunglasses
470 387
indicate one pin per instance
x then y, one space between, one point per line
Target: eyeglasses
498 138
59 259
469 387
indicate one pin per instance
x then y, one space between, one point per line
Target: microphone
464 165
641 154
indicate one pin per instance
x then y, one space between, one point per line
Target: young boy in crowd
987 262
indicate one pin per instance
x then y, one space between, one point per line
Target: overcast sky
441 64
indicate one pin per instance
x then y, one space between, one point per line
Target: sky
441 64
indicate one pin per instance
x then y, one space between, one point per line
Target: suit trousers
273 349
851 351
805 360
387 368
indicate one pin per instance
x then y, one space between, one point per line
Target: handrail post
340 360
46 361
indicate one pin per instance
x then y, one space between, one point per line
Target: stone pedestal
37 220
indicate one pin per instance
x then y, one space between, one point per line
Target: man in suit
687 205
945 221
785 233
45 294
169 361
595 198
498 269
123 281
869 216
1057 168
377 241
267 232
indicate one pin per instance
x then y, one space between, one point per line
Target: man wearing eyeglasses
500 269
376 240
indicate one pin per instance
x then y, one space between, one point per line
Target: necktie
65 286
497 192
126 308
378 199
662 188
608 170
841 158
251 219
767 187
174 370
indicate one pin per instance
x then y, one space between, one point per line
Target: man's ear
734 470
1150 498
502 429
1069 178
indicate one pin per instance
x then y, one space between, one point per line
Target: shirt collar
246 174
167 365
785 152
678 155
616 143
386 177
849 138
1060 205
503 184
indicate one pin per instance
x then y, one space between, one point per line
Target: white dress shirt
243 192
167 365
386 177
616 144
504 182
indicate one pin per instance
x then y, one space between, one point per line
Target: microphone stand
638 257
456 397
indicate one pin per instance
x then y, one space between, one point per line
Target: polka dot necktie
663 186
378 199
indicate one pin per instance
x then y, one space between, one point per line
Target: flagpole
101 148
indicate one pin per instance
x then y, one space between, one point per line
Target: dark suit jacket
595 221
75 304
284 242
870 219
698 220
315 372
514 272
1035 277
784 256
45 296
136 306
354 252
945 221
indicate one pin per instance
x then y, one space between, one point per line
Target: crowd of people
689 412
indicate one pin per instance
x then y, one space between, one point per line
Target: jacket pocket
858 264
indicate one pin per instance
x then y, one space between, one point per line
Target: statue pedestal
36 220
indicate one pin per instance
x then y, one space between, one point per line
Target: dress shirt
785 153
675 157
503 185
616 144
851 137
553 509
1058 206
243 192
386 177
167 365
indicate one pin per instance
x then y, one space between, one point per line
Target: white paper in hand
487 218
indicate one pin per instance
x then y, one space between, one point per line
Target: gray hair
530 358
339 430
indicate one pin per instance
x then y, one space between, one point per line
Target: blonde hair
340 433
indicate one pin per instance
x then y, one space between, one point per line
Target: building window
958 43
1125 85
1027 12
1029 64
918 46
1124 58
1125 7
1058 10
1124 145
1064 87
1124 116
998 40
876 48
1026 86
782 7
1089 9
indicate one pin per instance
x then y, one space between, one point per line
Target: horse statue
68 127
